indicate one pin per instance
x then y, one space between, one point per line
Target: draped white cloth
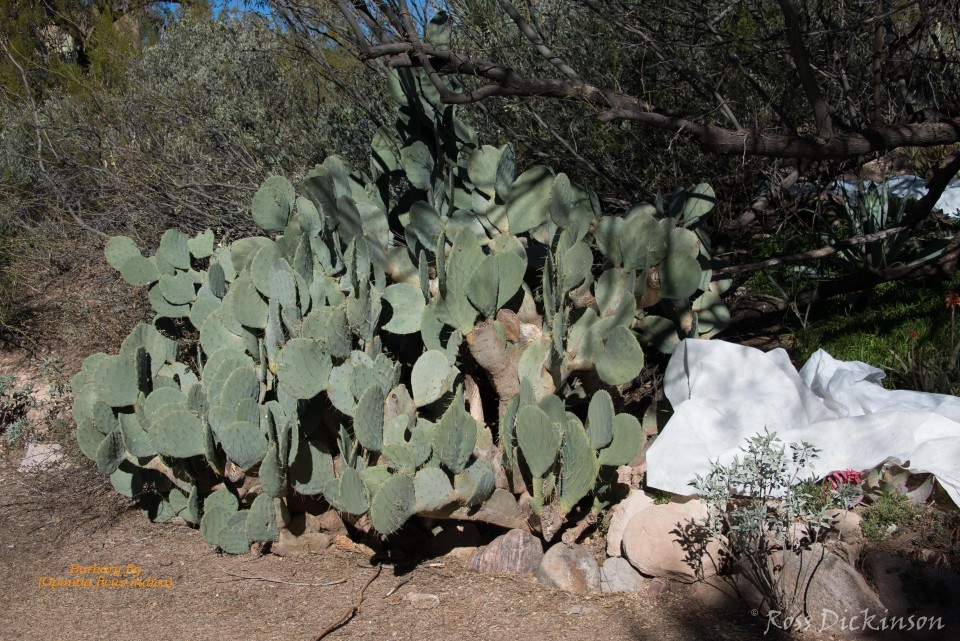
723 393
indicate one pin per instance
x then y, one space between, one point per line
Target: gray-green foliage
764 503
331 357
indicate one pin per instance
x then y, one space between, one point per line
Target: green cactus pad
660 333
164 307
110 453
528 203
161 349
178 433
139 271
119 250
201 245
271 473
407 304
205 304
135 437
243 442
575 266
698 203
262 520
475 484
600 420
455 435
497 279
539 439
712 313
215 336
185 506
116 380
627 441
482 168
394 503
680 271
375 476
240 384
214 519
417 162
506 168
175 249
368 418
312 467
347 493
272 204
400 457
622 358
178 289
248 306
431 377
578 472
328 325
433 489
608 233
304 368
89 438
233 537
643 242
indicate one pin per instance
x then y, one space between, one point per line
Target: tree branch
804 72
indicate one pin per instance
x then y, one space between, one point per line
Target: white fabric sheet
723 393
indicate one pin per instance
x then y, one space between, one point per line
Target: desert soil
65 517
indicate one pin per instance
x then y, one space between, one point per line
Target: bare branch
801 60
536 40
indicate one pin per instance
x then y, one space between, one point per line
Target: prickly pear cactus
339 355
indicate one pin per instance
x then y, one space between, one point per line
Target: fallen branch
269 580
350 613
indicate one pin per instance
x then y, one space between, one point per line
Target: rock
658 586
290 544
836 594
846 523
344 542
328 523
667 541
569 568
575 609
617 575
422 600
516 552
911 587
621 514
40 456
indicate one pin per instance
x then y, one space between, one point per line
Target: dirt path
71 517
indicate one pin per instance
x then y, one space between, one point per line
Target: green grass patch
888 510
882 327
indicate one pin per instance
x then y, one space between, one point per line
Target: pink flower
844 477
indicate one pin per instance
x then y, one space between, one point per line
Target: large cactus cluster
419 339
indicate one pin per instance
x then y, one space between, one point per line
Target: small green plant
762 507
889 511
15 402
932 367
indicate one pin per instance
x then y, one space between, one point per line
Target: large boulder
516 552
837 599
668 541
569 568
617 575
620 515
